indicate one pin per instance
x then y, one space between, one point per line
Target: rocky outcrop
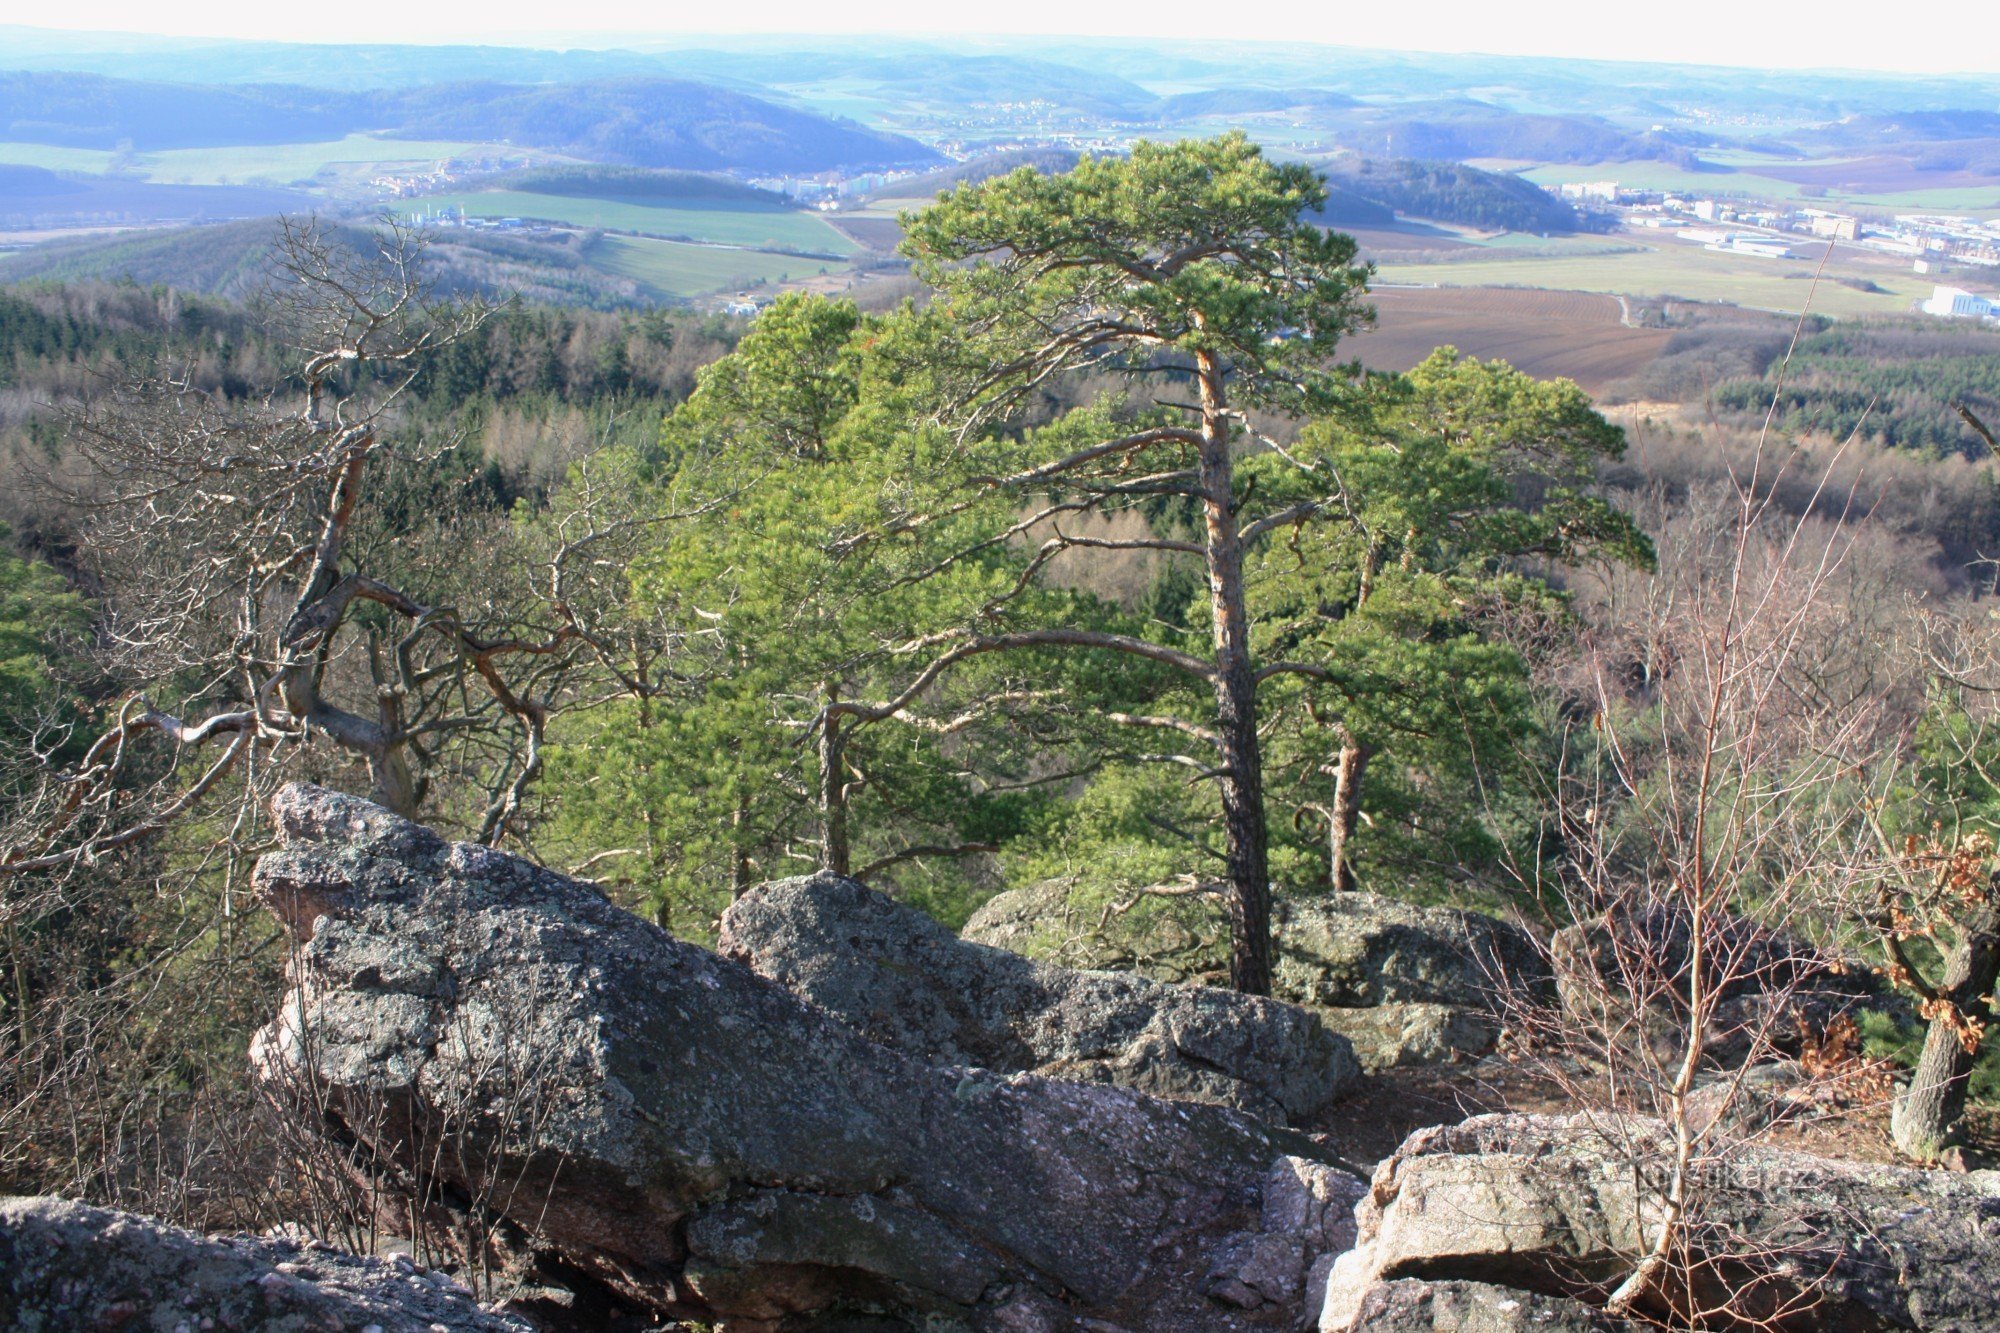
1558 1206
1410 1306
1166 938
1405 984
66 1265
1390 1036
1354 950
698 1141
898 977
1343 950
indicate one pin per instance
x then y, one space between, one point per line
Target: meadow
1685 270
1754 175
674 269
733 224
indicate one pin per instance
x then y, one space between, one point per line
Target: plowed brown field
1574 334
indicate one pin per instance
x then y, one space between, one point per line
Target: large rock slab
66 1265
1446 968
697 1140
895 975
1411 1306
1557 1205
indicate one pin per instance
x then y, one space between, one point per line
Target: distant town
1936 244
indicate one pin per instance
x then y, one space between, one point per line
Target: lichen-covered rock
895 975
1341 950
699 1141
1352 950
1391 1036
1412 1306
1174 939
1564 1204
66 1265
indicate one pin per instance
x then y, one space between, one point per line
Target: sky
1953 36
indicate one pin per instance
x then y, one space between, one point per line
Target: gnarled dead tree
253 582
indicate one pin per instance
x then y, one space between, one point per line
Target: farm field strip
251 164
750 228
1686 271
1577 335
676 269
1743 178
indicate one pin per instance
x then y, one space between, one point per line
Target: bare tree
1712 840
250 576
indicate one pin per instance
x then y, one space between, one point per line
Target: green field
724 224
289 163
673 269
1681 270
259 164
90 160
1743 179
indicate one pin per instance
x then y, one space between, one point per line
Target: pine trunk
1242 779
834 856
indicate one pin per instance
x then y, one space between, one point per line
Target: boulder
1177 938
1411 1306
668 1127
898 977
1391 1036
1344 951
66 1265
1560 1205
1353 950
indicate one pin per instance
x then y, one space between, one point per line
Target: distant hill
646 122
1246 102
1457 129
1455 193
35 197
1361 191
1048 161
649 123
640 185
91 111
224 260
569 268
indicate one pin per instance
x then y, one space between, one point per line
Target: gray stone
1411 1306
1562 1204
699 1142
66 1265
1342 950
1353 950
898 977
1391 1036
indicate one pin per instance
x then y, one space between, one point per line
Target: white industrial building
1957 303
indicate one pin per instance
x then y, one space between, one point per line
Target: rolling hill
647 122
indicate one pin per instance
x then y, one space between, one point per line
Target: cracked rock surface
1558 1205
699 1141
66 1265
897 976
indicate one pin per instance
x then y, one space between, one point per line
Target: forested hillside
990 808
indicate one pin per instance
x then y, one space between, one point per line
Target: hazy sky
1951 35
